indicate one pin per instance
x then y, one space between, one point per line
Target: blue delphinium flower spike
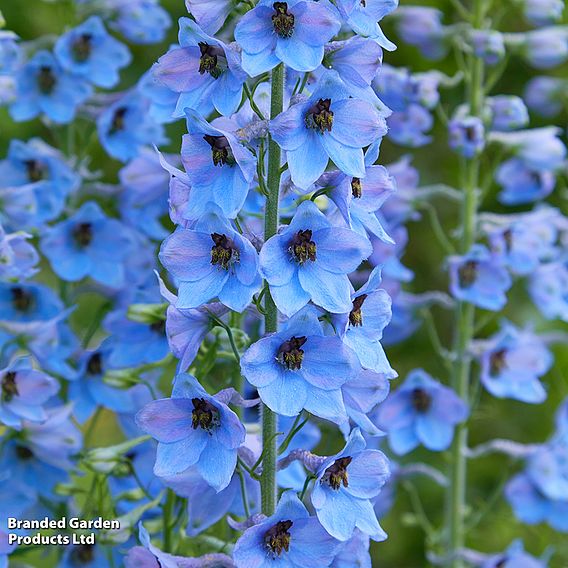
421 411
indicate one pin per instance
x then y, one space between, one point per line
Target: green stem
465 318
269 419
166 520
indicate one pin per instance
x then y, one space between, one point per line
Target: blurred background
492 418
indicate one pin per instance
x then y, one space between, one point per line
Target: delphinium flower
301 368
422 26
466 135
522 184
125 127
356 549
209 14
193 428
28 302
18 257
345 486
141 21
512 363
10 52
421 411
545 48
310 259
364 18
514 557
544 95
212 260
329 125
219 168
489 45
42 170
43 87
88 244
23 393
548 288
293 32
90 52
203 70
507 112
542 12
289 538
479 278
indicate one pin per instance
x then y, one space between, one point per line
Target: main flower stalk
269 418
465 317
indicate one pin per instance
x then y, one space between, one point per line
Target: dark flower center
46 80
508 238
497 362
24 453
9 386
82 48
319 117
118 122
302 247
158 327
467 273
35 170
223 252
470 133
204 415
220 150
22 300
336 474
83 554
95 364
421 400
282 20
83 234
355 316
209 60
501 563
356 188
277 538
290 353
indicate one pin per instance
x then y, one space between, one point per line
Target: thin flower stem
271 219
243 491
166 518
293 431
465 317
250 97
306 485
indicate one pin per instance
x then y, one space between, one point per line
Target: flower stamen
224 252
282 20
277 538
9 386
302 247
220 150
319 117
290 353
336 474
204 415
355 316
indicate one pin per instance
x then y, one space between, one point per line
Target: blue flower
293 32
212 260
328 125
43 87
10 52
209 14
23 392
512 364
28 302
288 539
546 48
507 112
41 170
345 485
18 257
361 328
548 287
205 506
479 278
422 26
409 127
88 244
354 553
300 368
309 260
204 71
141 21
542 12
522 184
193 428
219 168
514 557
125 126
489 45
421 411
466 135
90 52
364 17
544 95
